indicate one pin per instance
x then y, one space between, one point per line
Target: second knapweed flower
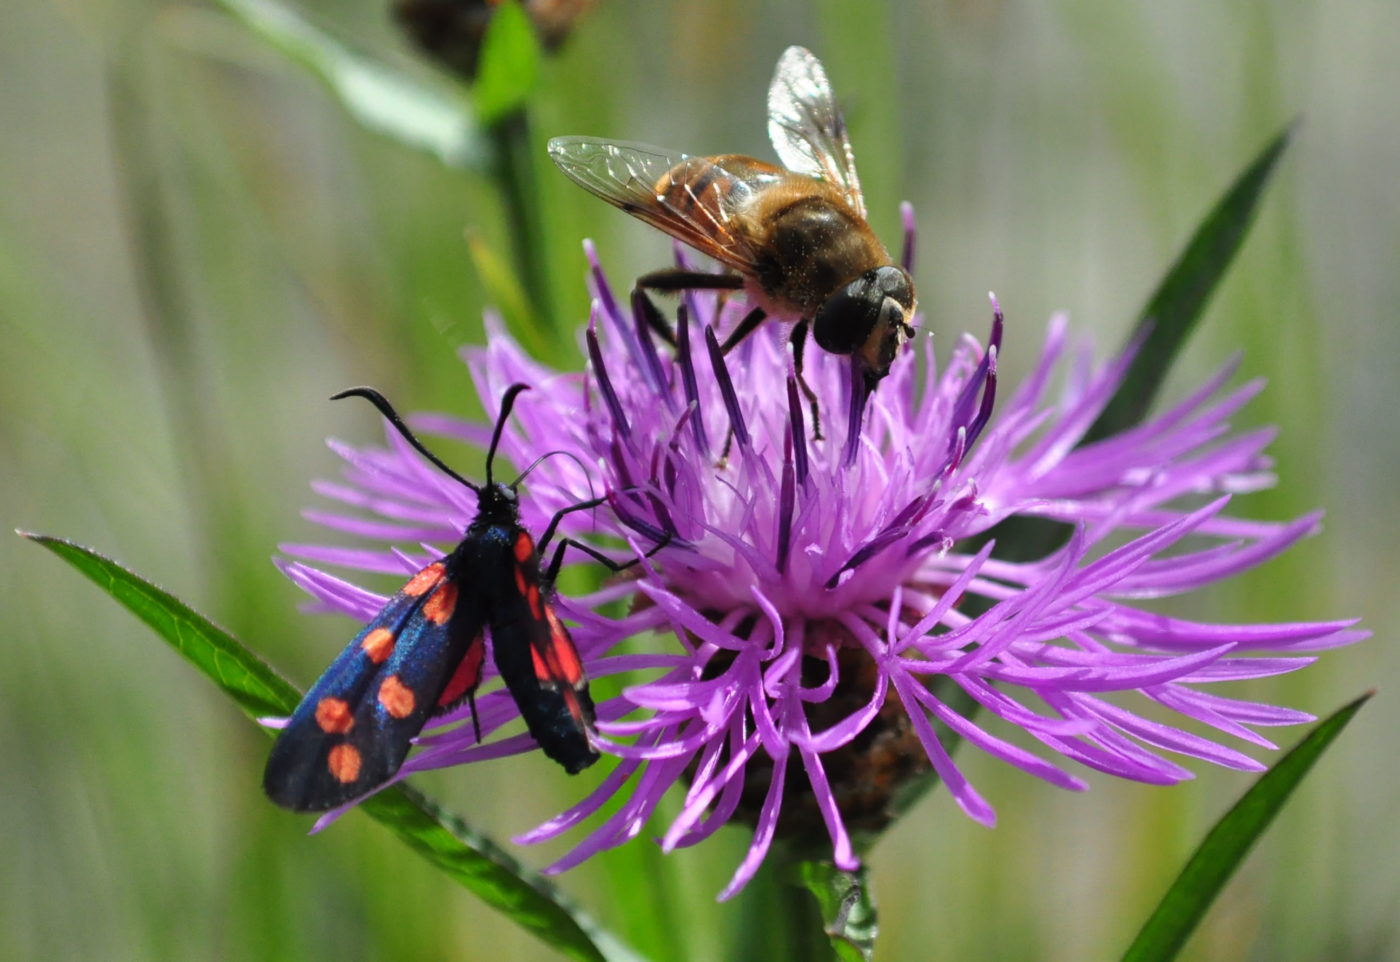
816 605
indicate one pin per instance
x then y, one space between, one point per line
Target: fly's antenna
507 402
387 409
549 454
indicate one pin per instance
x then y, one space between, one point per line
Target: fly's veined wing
806 127
628 175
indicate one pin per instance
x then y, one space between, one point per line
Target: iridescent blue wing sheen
355 726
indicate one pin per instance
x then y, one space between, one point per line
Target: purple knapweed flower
819 606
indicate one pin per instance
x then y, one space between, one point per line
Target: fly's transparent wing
693 199
806 127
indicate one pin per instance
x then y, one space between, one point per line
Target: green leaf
1225 847
467 856
259 690
510 64
847 907
486 870
1180 299
431 119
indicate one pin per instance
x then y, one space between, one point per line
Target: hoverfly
795 236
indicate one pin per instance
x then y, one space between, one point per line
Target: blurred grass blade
510 64
847 908
508 74
1225 847
469 857
504 290
1179 300
425 118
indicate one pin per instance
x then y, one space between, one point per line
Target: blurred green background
198 246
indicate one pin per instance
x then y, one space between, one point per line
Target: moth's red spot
334 716
424 580
396 697
344 763
378 645
562 651
520 583
533 594
524 547
439 607
575 707
465 678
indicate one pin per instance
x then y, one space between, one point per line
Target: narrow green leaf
259 690
470 858
517 178
432 119
510 64
1225 847
847 907
486 870
1180 299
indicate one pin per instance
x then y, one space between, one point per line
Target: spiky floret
820 605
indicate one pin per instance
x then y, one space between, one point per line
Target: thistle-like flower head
824 618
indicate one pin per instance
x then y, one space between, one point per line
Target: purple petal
972 804
762 837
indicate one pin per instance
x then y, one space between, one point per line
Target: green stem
845 908
805 908
806 933
515 177
781 919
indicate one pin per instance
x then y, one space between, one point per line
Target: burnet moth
421 655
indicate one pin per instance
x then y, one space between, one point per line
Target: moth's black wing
352 731
539 663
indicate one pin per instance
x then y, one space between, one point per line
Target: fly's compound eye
845 321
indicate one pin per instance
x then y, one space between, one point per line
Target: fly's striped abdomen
712 189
